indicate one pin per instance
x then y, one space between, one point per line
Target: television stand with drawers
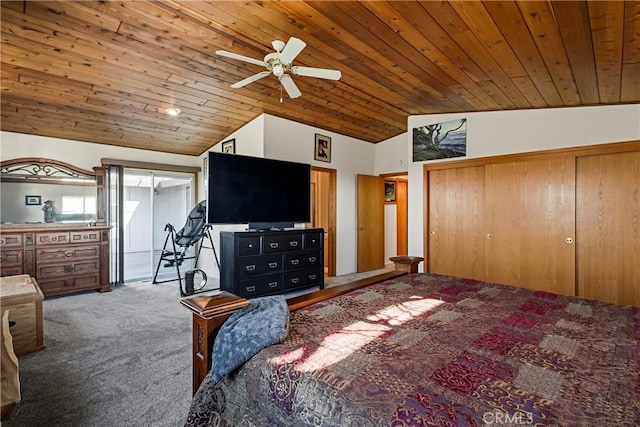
260 263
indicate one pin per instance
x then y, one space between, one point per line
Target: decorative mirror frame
49 170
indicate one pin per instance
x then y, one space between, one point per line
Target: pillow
264 322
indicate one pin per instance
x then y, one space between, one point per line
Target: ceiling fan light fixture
278 45
278 70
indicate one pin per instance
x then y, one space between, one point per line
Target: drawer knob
250 288
273 264
295 280
294 244
68 254
312 276
250 267
85 237
273 284
273 245
68 269
54 238
295 261
312 259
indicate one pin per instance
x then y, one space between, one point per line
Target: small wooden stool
407 263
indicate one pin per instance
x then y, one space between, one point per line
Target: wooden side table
22 298
9 376
407 263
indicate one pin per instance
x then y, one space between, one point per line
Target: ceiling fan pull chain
281 93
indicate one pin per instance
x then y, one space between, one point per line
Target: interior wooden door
402 217
608 227
530 220
370 222
456 222
323 190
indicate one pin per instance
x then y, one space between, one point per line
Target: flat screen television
263 193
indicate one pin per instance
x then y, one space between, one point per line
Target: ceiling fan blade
293 47
289 85
250 79
239 57
321 73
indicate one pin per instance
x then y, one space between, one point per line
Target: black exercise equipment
194 231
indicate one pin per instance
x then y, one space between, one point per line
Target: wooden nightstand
407 263
22 298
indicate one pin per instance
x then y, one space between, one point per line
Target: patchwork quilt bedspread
430 350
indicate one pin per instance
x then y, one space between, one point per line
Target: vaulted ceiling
105 71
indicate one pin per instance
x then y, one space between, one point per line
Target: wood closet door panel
456 222
530 214
608 210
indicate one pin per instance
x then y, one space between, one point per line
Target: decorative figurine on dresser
58 235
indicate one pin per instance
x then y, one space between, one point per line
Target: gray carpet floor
121 358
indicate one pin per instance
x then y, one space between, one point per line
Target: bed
425 349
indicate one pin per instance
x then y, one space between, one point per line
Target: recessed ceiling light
172 111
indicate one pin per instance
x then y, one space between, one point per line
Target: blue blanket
264 322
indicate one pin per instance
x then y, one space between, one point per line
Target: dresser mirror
35 191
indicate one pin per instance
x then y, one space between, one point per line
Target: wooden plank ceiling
104 72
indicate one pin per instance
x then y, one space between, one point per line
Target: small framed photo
390 191
322 148
229 146
32 200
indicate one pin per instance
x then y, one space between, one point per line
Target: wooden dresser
63 258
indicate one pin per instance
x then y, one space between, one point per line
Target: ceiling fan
279 63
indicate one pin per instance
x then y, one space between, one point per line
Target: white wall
276 138
391 157
506 132
288 140
81 154
488 133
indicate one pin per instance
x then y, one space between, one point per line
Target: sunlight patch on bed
334 347
398 314
341 344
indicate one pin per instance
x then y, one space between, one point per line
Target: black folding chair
195 230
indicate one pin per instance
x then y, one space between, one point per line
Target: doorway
382 219
323 212
152 199
141 203
396 215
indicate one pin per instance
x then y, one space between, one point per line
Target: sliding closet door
530 219
608 211
456 222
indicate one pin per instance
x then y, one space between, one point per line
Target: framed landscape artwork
440 140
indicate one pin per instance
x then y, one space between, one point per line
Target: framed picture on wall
390 191
229 146
32 200
322 148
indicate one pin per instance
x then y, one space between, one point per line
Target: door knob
569 240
